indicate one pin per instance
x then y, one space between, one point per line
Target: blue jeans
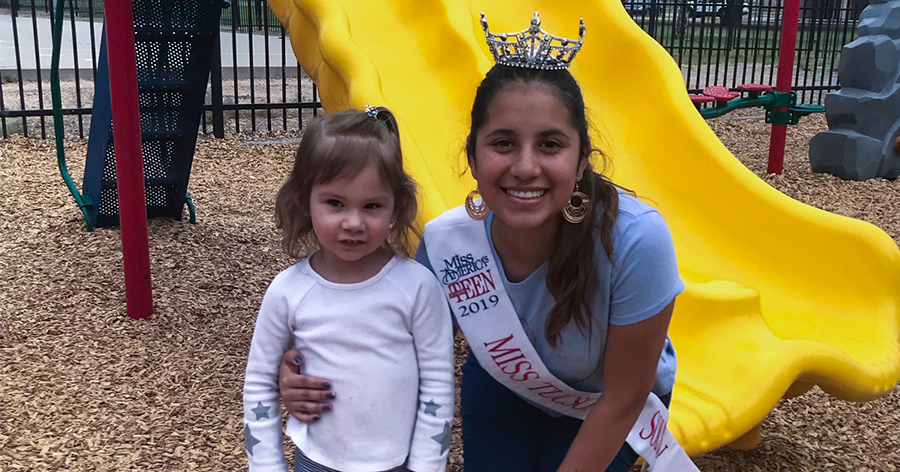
502 432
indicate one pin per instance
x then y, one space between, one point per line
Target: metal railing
731 42
258 85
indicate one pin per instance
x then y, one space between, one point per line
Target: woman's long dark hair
571 271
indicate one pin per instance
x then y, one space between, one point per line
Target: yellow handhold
778 293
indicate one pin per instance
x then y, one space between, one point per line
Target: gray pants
305 464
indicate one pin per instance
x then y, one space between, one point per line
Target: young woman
587 271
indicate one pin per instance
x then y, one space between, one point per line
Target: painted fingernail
326 384
326 407
317 418
329 395
298 359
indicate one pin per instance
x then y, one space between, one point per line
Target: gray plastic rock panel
881 55
864 115
879 19
845 153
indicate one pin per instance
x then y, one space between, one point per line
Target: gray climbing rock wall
864 115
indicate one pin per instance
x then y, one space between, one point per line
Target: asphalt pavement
35 34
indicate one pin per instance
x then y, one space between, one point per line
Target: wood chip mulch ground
84 388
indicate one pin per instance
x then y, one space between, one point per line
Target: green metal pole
83 202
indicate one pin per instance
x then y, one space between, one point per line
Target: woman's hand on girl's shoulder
303 396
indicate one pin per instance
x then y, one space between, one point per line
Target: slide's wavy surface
780 296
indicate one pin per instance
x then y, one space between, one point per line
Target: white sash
461 257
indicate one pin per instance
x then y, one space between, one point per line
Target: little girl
356 308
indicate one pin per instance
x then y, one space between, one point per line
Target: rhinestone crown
533 48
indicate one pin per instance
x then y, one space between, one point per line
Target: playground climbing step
722 95
174 43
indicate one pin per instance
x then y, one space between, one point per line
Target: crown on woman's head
533 48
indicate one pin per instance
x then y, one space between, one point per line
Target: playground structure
779 102
760 319
174 44
864 115
758 95
780 296
154 97
781 108
174 41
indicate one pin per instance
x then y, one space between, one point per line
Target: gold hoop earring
476 211
576 208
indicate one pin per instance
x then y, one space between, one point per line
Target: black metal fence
732 42
247 14
258 86
256 83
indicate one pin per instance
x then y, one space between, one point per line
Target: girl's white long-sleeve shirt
386 344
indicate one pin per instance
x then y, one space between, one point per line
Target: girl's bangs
347 156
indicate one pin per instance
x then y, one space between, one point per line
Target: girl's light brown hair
342 145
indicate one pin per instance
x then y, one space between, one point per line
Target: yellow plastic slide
780 296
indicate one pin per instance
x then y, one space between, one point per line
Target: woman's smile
525 194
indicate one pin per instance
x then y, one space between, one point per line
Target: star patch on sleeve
249 440
431 407
261 411
444 437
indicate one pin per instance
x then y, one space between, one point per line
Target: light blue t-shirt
642 282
